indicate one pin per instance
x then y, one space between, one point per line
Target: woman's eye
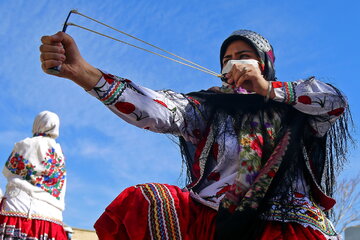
244 56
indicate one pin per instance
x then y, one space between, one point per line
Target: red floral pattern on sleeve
109 78
314 98
160 102
336 112
277 84
304 99
125 107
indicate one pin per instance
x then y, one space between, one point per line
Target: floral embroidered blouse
234 158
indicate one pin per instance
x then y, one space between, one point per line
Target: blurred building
352 233
80 234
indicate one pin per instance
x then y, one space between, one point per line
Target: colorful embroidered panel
288 88
51 179
163 219
306 213
113 93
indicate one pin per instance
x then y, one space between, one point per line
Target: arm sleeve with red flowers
315 98
158 111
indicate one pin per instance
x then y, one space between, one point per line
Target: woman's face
239 50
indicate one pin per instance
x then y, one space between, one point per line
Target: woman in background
33 202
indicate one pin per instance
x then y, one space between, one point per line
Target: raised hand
61 50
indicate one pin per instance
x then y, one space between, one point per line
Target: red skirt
163 212
20 228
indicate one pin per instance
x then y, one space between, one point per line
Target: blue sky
106 155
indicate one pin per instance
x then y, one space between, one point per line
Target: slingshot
173 57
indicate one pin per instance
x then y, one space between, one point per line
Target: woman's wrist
88 78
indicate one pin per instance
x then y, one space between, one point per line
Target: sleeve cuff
101 84
284 92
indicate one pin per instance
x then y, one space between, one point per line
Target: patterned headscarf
46 123
260 44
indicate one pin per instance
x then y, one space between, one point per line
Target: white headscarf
46 123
